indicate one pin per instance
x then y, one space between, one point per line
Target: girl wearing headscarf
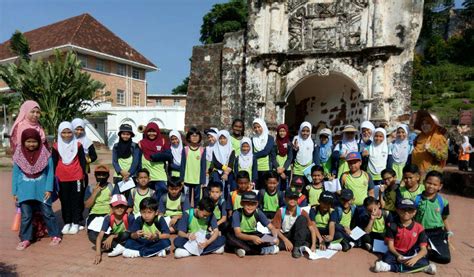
70 169
223 158
282 155
367 130
401 150
304 146
212 142
262 144
323 151
245 161
28 118
176 152
464 154
430 146
344 147
154 143
32 185
379 156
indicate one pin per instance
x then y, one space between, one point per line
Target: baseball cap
326 197
349 128
102 168
353 156
249 196
291 193
298 181
325 132
406 204
347 194
118 199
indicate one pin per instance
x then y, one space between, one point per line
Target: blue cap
353 156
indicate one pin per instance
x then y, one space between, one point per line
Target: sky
164 31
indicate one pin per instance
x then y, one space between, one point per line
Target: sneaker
118 250
368 246
270 250
81 227
23 245
296 253
352 244
345 246
181 253
219 251
430 269
129 253
55 241
74 229
162 253
335 246
240 252
381 266
65 229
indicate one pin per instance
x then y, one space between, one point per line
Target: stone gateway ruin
330 62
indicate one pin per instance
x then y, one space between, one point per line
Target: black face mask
102 180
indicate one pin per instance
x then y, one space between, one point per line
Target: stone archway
333 100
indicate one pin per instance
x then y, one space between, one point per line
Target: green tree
223 18
59 86
182 88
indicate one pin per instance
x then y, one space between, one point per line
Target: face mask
102 180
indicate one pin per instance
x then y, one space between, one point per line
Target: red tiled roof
83 31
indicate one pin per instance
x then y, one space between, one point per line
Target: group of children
250 196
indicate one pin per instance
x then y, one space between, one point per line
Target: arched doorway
325 101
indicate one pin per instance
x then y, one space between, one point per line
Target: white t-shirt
287 223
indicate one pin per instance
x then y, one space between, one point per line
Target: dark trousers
261 180
147 247
227 186
299 233
121 239
439 238
369 238
395 266
250 248
159 187
283 183
325 232
463 165
269 215
179 242
197 193
342 233
26 228
70 197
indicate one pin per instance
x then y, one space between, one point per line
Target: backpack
234 196
283 212
191 216
438 198
339 212
164 198
124 220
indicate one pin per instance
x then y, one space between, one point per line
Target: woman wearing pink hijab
27 119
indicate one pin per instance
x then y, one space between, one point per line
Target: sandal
23 245
55 241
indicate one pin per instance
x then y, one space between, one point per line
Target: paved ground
75 255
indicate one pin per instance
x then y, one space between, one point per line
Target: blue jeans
179 242
26 229
147 247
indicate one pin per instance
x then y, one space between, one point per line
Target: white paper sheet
126 185
433 247
262 229
167 220
268 238
96 225
306 209
319 254
379 246
357 233
192 245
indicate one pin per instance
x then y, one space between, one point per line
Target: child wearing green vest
220 212
243 185
149 234
140 192
262 145
282 156
357 180
270 199
303 145
411 179
314 190
244 238
433 212
237 134
297 184
114 232
246 162
200 219
373 222
388 190
173 204
325 219
174 164
346 218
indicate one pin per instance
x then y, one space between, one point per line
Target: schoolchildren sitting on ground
388 190
220 211
173 204
295 227
373 222
314 190
244 238
356 179
149 234
411 179
345 212
97 198
270 199
432 213
297 185
195 220
118 222
325 219
243 185
140 192
406 242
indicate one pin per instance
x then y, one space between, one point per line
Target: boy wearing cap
407 241
325 219
295 227
118 222
149 234
357 180
245 239
345 218
297 185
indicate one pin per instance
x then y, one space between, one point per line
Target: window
121 69
158 102
176 102
83 59
120 97
99 65
136 99
136 73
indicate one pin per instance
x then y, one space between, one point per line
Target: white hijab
84 140
246 160
466 146
401 148
176 150
260 141
210 147
366 125
378 154
222 152
67 150
306 146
